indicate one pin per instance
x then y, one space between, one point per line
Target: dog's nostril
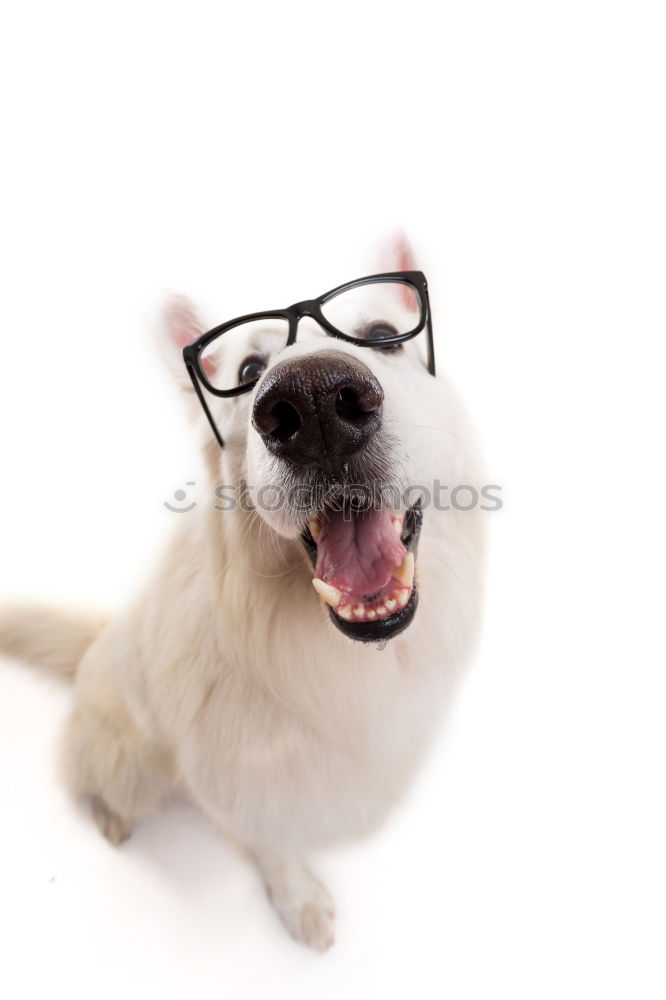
357 403
285 419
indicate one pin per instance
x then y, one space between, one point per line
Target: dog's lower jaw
381 630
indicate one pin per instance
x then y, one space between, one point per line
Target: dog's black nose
318 410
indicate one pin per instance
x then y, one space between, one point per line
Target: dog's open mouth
364 568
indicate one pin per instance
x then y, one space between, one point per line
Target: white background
249 155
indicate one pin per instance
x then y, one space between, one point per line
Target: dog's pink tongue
358 554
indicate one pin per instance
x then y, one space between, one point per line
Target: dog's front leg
302 902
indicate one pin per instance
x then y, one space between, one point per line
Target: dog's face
330 446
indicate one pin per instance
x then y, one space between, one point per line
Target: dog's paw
311 921
301 901
113 827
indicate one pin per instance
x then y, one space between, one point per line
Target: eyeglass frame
310 308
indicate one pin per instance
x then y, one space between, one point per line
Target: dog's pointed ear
180 321
399 256
180 326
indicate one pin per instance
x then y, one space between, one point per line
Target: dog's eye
250 369
382 331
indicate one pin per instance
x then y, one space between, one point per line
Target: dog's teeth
405 571
370 614
345 612
402 597
381 610
397 525
329 593
359 610
314 528
390 603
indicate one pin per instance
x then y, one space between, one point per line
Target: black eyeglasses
380 311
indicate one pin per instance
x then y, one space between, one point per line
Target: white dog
292 715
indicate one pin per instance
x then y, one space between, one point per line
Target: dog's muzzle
319 415
318 410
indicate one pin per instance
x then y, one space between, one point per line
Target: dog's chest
331 769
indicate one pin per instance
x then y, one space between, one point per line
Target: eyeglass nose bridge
307 308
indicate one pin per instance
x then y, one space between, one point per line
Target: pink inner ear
403 254
402 257
183 325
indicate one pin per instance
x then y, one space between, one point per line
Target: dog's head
330 447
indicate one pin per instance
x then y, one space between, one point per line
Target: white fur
226 681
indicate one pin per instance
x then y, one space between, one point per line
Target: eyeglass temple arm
204 404
431 344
